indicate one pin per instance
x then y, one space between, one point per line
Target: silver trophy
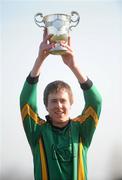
58 25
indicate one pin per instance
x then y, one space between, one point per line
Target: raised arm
44 48
28 97
69 60
91 112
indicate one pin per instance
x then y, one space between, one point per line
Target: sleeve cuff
86 85
32 80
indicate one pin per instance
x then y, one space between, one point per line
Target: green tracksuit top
59 153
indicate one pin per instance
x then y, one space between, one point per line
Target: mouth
59 112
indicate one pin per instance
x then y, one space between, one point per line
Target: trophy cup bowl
58 25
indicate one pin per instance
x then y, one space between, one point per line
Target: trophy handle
75 20
38 18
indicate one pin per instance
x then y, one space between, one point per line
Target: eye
53 100
63 101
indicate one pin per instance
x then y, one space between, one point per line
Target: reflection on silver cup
58 25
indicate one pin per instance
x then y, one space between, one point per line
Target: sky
97 43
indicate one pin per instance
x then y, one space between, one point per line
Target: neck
60 125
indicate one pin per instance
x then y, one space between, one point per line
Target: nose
59 104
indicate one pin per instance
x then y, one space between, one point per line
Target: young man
59 145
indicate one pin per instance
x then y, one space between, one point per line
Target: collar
48 118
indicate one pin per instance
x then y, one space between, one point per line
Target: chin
61 119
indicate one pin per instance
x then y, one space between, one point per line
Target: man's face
59 107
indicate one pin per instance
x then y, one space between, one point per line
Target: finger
69 40
48 47
45 33
47 37
66 46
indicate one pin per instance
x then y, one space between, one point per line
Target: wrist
86 85
37 67
82 78
40 58
32 80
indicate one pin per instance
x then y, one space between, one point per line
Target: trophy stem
58 49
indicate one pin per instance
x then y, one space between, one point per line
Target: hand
68 57
69 60
45 46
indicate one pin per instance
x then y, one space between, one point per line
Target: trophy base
58 50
